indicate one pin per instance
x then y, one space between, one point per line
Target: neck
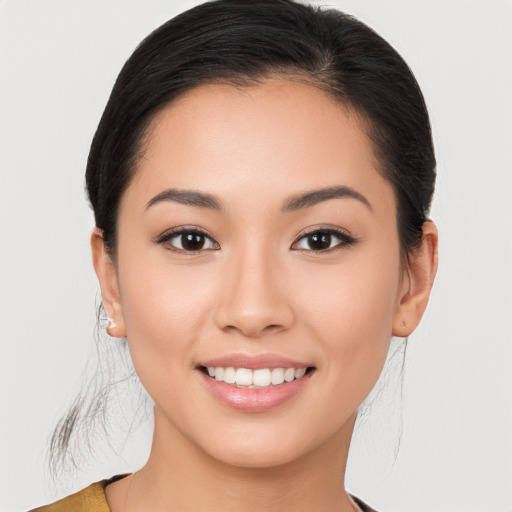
180 476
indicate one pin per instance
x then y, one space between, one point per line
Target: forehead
279 137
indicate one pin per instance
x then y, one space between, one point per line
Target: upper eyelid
323 228
183 229
328 229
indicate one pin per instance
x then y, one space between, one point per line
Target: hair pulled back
242 42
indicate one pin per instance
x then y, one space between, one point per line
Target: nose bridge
255 298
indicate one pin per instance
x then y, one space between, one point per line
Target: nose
255 298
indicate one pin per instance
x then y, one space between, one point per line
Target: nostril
253 330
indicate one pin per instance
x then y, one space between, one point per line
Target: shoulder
90 499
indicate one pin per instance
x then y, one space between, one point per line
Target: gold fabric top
90 499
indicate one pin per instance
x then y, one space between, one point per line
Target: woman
261 180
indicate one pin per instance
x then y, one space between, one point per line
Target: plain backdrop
58 62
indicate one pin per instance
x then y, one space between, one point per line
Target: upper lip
254 361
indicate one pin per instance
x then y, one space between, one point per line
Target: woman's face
257 233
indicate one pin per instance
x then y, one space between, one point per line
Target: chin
256 457
271 447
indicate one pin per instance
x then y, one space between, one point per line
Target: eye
323 240
187 240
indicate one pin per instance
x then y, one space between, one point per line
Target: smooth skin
257 286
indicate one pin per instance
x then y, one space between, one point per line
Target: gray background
59 59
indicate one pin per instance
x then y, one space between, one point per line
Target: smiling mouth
261 378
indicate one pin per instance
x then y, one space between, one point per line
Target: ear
107 276
417 282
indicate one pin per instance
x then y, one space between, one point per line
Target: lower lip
255 400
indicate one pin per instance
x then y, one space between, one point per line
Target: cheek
165 307
350 311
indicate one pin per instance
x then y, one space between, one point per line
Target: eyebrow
308 199
189 197
297 202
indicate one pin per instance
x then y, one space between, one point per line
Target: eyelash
345 240
174 233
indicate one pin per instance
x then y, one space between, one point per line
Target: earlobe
417 283
107 276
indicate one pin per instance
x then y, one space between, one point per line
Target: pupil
192 241
319 241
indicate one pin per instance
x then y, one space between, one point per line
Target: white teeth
289 374
260 378
243 377
219 373
229 375
300 373
277 376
